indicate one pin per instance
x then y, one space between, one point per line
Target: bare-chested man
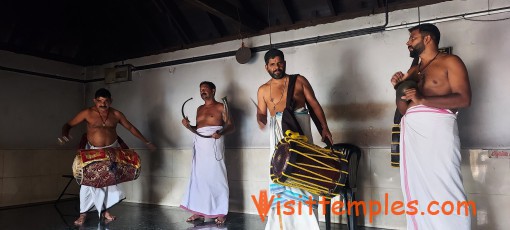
272 96
102 123
430 146
207 194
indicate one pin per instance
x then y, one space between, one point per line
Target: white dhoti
99 198
304 220
207 193
430 169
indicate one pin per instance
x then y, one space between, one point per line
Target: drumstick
256 106
62 140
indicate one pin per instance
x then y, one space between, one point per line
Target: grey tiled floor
129 216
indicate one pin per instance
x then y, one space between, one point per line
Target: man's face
415 44
276 67
102 103
206 92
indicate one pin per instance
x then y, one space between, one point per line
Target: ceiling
94 32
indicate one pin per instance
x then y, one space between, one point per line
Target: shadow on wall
234 163
472 130
344 109
476 165
159 119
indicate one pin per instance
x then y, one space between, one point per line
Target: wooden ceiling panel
96 32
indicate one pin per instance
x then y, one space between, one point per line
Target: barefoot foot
220 220
80 219
194 217
108 217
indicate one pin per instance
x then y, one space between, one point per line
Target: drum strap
395 131
289 121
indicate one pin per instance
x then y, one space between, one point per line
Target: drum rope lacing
322 153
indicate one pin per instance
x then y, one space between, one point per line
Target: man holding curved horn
207 194
430 156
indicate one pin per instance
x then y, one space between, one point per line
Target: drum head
280 158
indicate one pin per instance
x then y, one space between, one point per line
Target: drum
320 171
104 167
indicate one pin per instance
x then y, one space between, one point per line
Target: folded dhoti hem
202 214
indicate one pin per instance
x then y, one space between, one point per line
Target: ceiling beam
331 7
142 23
177 20
231 13
286 13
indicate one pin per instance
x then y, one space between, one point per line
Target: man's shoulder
301 80
219 104
451 58
264 86
88 110
452 61
298 77
115 110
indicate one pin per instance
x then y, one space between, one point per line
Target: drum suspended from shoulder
320 171
105 167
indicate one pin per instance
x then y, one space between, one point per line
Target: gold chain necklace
281 97
104 120
427 65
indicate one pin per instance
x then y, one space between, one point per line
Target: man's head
275 63
207 90
103 99
421 36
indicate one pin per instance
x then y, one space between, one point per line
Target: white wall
34 108
351 81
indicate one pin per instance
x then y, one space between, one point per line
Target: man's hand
64 139
262 120
398 77
216 135
413 95
185 122
151 146
326 136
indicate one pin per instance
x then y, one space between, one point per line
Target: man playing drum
207 193
102 122
272 96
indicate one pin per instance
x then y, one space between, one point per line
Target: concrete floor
129 216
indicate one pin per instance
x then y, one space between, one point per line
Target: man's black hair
208 83
272 53
428 29
103 93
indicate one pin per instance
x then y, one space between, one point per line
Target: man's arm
228 126
80 117
186 123
402 105
261 108
133 130
229 122
458 79
316 107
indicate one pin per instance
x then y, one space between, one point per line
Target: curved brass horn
227 117
192 129
227 114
